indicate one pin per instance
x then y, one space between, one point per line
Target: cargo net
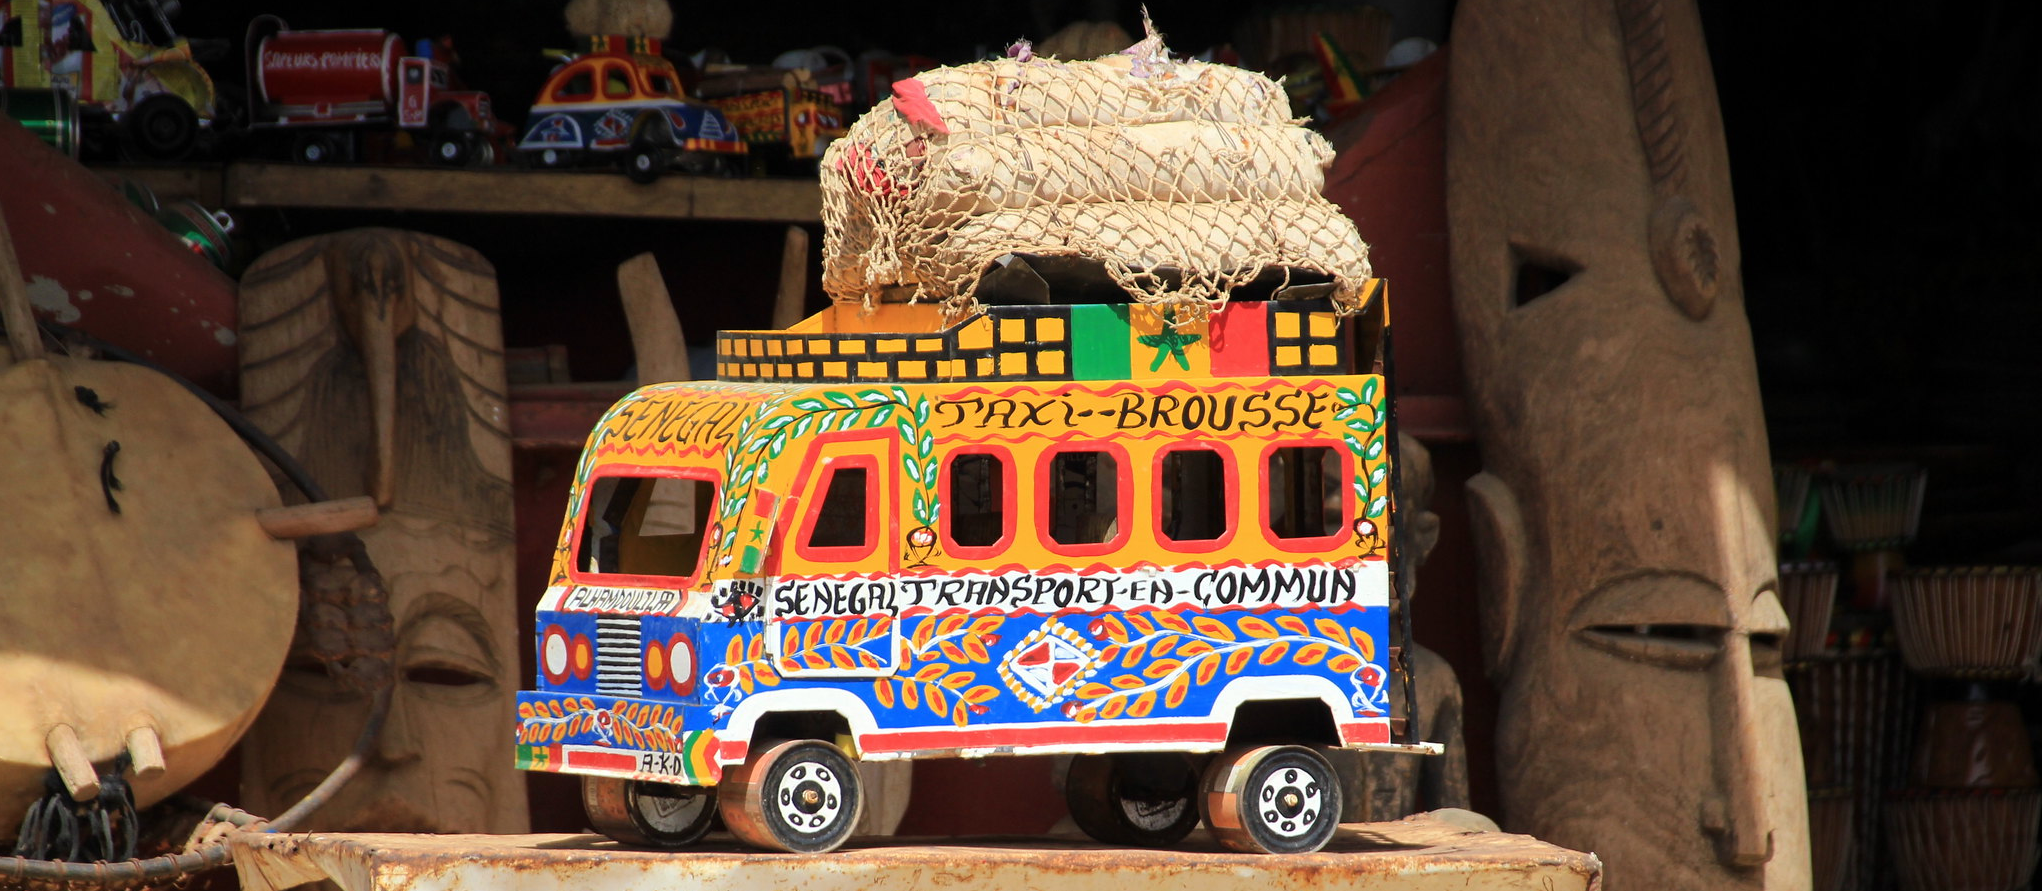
1184 181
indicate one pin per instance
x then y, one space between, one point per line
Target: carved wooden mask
375 356
1623 515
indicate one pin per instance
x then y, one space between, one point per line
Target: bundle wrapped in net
1182 180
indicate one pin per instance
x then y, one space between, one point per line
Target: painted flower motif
1371 675
720 677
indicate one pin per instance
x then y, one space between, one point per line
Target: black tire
656 815
1144 800
643 163
801 796
315 148
1272 800
449 149
163 127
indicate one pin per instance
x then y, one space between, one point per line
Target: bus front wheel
1271 800
800 796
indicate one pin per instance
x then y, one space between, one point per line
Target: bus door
835 605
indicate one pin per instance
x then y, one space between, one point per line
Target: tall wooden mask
376 357
1623 515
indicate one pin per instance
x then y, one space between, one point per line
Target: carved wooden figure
1624 515
1379 788
376 357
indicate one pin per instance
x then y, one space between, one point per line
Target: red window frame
619 471
1229 473
560 94
610 69
1124 499
1317 543
1009 502
819 493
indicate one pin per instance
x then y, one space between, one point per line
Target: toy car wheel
800 796
1271 799
449 149
163 127
658 815
642 163
1147 800
315 148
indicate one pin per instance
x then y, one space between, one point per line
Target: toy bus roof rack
909 343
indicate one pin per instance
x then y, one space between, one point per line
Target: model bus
1159 543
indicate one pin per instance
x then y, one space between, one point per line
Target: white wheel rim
1288 802
670 814
642 162
448 150
550 157
314 152
810 797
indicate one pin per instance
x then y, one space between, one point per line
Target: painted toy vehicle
325 89
1157 543
784 117
622 101
127 68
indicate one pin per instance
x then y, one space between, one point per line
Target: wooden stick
318 518
67 755
791 306
23 337
145 749
655 329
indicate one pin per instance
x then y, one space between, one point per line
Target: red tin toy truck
325 88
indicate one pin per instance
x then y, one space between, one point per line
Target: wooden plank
170 182
505 190
656 341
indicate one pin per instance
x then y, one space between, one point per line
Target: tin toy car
126 69
1158 544
622 101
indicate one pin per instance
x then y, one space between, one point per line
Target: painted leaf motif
1113 708
1311 654
792 644
960 714
857 633
1294 625
766 675
1212 627
1344 663
976 649
1165 643
1273 653
952 651
938 703
1331 630
1173 622
1141 623
813 637
985 624
1085 715
958 679
931 671
1161 667
983 693
950 624
735 653
556 708
1194 648
1109 653
813 660
525 710
1239 660
1375 508
1134 655
835 632
1375 448
1093 690
1365 644
868 660
908 697
1348 396
842 658
809 404
882 690
1113 630
1127 682
1174 695
587 703
559 732
1255 626
744 679
1142 705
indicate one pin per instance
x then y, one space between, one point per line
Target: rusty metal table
1418 853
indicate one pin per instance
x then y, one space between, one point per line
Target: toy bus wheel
1271 800
315 148
1147 800
657 815
163 127
800 796
642 164
553 158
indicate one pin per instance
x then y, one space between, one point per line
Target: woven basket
1972 840
1808 592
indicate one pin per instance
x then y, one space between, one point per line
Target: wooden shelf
595 192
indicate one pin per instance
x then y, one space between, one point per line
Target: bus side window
977 511
1084 498
1193 488
841 521
1307 497
650 526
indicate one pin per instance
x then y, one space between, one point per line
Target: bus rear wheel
656 815
1145 800
800 796
1271 800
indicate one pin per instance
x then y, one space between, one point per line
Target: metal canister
204 230
52 115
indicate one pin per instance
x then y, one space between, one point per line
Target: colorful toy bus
1154 542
